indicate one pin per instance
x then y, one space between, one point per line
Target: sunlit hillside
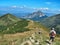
24 32
53 21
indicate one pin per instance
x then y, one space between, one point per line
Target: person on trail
52 34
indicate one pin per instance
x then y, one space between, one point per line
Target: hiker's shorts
52 38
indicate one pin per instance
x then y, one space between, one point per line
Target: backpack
52 34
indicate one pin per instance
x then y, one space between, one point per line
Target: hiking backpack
52 34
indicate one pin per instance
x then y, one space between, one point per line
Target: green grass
9 34
15 28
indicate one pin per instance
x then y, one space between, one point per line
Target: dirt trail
27 42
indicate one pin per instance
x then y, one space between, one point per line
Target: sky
31 5
53 4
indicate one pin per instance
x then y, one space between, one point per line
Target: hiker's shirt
54 33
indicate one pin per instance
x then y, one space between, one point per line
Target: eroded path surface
29 42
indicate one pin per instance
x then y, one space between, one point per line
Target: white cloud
34 8
24 6
59 10
14 6
48 2
44 8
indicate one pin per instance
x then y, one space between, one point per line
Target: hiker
52 34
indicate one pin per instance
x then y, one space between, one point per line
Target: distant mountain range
49 14
36 16
25 14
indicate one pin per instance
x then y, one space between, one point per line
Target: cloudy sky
17 5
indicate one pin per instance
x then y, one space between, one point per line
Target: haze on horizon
16 6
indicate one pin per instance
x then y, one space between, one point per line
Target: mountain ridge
22 31
36 16
8 19
53 21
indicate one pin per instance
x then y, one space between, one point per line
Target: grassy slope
8 19
11 24
53 21
19 38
